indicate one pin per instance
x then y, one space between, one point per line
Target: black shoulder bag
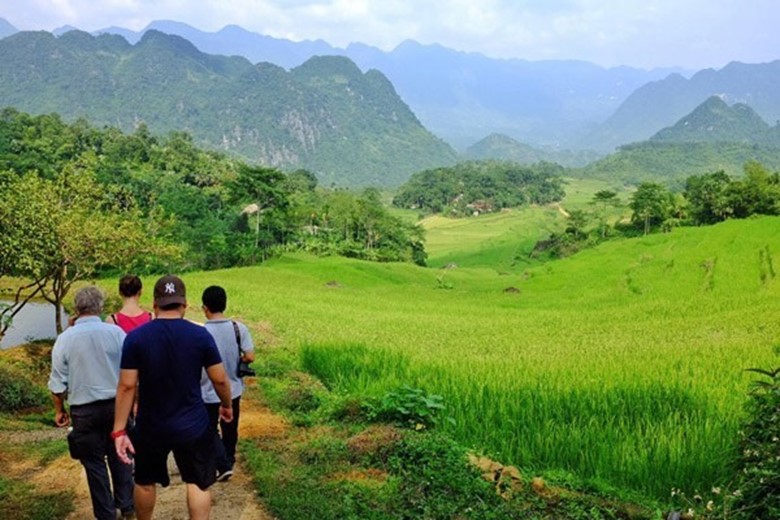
243 367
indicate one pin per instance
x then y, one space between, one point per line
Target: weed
759 483
407 406
17 392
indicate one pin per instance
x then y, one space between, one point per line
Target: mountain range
461 97
348 127
359 115
555 104
713 136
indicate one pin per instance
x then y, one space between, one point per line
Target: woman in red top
131 315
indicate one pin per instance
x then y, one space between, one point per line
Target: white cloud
691 33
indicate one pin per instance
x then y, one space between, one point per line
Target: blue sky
693 34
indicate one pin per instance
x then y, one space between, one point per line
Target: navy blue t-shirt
170 355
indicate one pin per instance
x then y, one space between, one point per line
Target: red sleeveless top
128 323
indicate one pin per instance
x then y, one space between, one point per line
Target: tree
707 197
84 232
604 201
652 204
26 239
757 193
259 190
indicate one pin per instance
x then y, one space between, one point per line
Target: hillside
622 347
659 104
714 121
348 127
714 136
461 97
503 147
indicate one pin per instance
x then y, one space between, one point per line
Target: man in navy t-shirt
164 360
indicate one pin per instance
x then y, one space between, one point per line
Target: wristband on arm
115 435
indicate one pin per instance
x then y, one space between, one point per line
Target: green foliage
436 481
673 162
652 205
17 392
407 406
759 463
174 206
716 197
326 115
481 187
19 501
359 226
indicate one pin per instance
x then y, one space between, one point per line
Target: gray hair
89 300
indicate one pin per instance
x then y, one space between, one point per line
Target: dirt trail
232 500
235 499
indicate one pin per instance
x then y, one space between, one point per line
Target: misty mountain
503 147
349 127
461 97
714 136
662 103
715 121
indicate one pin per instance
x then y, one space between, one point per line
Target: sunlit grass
623 363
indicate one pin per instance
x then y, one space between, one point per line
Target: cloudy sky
693 34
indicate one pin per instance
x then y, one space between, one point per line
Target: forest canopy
481 186
215 210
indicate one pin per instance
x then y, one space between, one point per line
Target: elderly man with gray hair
85 372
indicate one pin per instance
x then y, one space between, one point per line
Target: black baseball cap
169 290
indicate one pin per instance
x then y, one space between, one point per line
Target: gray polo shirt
225 337
85 361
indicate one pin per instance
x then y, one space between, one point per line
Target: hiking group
143 385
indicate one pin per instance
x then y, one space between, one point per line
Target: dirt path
232 500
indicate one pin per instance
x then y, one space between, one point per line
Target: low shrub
17 392
407 406
759 484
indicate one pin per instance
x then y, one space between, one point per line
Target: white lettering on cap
170 288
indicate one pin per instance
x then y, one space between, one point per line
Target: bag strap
113 317
238 338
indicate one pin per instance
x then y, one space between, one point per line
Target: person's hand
124 449
61 419
226 413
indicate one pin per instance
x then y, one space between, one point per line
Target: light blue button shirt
225 337
85 361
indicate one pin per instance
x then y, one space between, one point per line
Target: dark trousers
91 445
226 435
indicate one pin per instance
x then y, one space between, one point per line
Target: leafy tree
481 186
26 238
757 193
87 233
261 192
604 201
652 204
707 197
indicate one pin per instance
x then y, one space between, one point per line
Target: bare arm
221 383
125 397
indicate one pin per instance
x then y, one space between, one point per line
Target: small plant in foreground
760 451
408 406
18 392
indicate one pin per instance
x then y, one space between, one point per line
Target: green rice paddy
623 364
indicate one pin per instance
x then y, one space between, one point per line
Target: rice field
623 364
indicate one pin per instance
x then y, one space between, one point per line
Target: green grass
623 364
20 501
504 240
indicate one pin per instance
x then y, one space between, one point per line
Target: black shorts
196 460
